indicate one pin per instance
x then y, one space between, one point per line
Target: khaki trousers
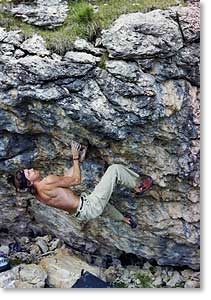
95 203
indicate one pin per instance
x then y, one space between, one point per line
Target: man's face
31 174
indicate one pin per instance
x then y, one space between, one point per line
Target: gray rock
24 240
83 45
41 13
5 249
35 250
64 269
13 37
7 51
7 279
188 19
35 45
134 111
56 243
143 35
18 53
3 34
157 282
123 70
23 276
175 280
184 64
192 284
42 245
80 57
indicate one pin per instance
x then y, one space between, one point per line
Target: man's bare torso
51 193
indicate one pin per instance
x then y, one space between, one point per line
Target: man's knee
114 167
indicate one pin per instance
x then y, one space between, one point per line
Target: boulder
64 269
143 35
140 108
23 276
42 13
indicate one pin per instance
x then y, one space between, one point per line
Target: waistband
83 198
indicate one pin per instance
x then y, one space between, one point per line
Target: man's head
24 179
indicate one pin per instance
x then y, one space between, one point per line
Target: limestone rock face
63 269
140 108
43 13
23 276
143 35
59 270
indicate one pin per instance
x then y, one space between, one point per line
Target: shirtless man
55 190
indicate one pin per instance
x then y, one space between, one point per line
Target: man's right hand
75 148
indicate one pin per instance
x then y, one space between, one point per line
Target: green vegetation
103 60
152 269
82 20
11 23
84 13
145 280
111 9
120 284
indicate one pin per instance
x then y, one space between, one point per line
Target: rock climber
55 190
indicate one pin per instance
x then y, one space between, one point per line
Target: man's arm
76 173
73 175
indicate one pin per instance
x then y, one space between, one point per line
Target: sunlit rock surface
42 13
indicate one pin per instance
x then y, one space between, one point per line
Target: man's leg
113 213
114 174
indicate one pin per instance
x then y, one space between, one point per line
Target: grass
84 13
103 60
145 280
111 9
120 285
82 21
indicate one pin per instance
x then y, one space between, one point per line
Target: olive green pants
95 203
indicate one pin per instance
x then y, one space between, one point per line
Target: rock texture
42 13
133 100
63 269
23 276
46 262
57 268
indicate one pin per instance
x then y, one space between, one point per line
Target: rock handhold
139 35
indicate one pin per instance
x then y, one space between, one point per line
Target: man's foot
130 221
82 153
144 185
